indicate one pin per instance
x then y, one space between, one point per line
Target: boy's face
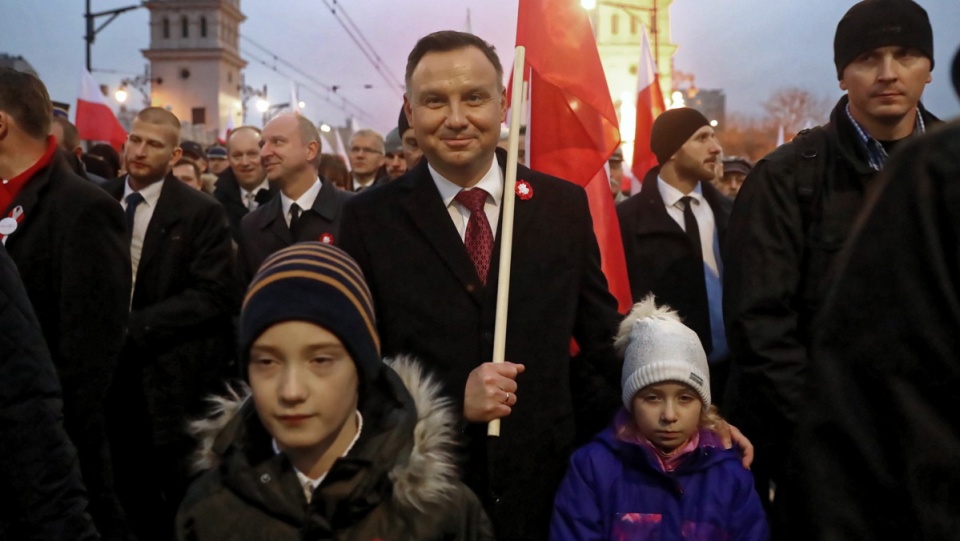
304 386
667 414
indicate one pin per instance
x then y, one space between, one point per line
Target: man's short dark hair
24 98
109 155
192 163
451 40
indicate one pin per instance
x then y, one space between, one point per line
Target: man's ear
4 124
407 110
78 152
313 149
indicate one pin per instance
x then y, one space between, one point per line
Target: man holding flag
428 244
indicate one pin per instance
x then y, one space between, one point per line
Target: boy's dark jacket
399 481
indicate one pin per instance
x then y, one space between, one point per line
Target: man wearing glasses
366 157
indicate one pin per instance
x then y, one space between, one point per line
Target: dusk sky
748 48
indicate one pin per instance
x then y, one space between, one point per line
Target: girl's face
667 414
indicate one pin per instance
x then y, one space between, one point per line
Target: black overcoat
431 303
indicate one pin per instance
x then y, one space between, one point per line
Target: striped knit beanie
317 283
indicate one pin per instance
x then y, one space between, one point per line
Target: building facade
195 63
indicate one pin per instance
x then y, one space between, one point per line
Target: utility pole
91 18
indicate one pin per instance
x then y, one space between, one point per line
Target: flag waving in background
649 106
572 128
95 120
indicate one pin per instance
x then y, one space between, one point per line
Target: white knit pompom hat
657 347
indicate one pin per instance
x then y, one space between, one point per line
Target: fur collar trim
426 478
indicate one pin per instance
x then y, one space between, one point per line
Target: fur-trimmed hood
425 478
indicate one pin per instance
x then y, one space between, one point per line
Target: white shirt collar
304 479
305 202
491 182
151 193
671 196
265 185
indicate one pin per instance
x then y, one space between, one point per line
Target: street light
325 128
262 105
141 83
301 104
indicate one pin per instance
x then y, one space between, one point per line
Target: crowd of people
257 340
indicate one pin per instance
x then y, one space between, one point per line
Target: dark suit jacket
227 192
430 303
72 253
264 231
660 259
180 335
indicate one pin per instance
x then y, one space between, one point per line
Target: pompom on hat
657 347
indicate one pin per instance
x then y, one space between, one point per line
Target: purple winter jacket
616 490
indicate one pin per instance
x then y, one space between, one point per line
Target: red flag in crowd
95 119
572 129
649 106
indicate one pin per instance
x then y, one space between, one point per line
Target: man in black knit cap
794 213
883 465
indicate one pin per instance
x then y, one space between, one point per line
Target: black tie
294 220
263 195
133 200
690 224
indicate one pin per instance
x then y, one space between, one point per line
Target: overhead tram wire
329 89
369 45
371 55
357 111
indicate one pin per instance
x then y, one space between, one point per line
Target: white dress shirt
305 202
308 484
249 196
701 211
141 219
492 183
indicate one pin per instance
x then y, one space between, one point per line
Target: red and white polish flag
95 120
649 106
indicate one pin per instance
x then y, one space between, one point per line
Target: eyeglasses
364 150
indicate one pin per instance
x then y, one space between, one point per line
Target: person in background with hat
626 482
674 228
615 164
193 151
794 212
887 351
329 440
394 164
217 159
733 171
411 149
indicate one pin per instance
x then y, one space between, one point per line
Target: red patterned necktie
478 238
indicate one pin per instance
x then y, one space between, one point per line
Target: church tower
617 26
195 63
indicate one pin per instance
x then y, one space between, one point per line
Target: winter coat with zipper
398 482
777 267
616 489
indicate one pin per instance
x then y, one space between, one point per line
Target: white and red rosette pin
326 238
524 190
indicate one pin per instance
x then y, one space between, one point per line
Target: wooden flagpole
506 221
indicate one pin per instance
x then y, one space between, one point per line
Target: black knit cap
320 284
871 24
672 129
402 124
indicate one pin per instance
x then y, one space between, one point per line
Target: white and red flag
649 106
573 129
95 120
